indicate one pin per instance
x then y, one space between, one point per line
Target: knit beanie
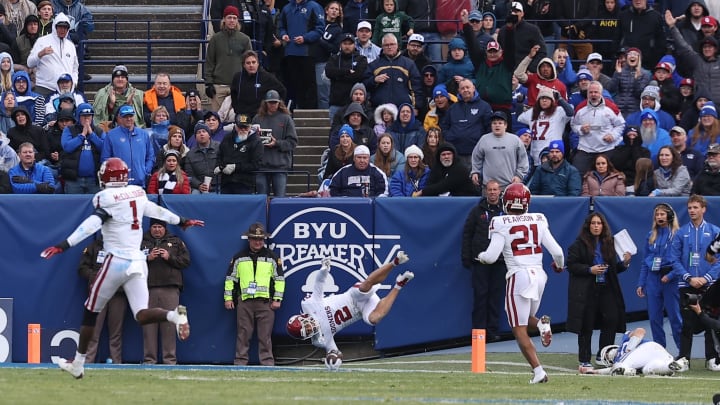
651 90
709 109
414 150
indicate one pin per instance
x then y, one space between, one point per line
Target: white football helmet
607 354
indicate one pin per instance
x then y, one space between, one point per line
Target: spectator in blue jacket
556 176
301 23
354 12
466 121
26 97
29 177
131 144
458 66
412 177
82 144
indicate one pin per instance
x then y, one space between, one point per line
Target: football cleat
75 370
679 365
403 279
545 331
182 326
712 365
539 379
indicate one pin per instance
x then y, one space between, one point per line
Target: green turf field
426 379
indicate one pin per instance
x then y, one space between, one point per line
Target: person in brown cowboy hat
254 286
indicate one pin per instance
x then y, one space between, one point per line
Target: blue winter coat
134 148
563 182
403 184
465 123
37 173
306 19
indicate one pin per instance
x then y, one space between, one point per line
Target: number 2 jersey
119 212
520 239
335 312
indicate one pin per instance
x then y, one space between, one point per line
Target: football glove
400 258
187 223
51 251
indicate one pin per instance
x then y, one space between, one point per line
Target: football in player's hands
400 258
333 360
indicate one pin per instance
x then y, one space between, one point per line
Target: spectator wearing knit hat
556 176
201 160
650 98
628 82
642 27
117 94
653 136
707 130
224 57
438 107
412 176
702 62
547 118
170 178
341 155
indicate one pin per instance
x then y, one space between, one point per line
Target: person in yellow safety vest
254 285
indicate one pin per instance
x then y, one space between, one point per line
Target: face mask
240 138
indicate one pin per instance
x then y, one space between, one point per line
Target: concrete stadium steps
312 127
173 21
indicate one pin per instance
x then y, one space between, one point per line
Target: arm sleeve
153 210
493 251
88 227
555 250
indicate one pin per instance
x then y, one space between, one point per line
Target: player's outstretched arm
88 227
153 210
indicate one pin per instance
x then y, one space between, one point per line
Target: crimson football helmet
302 326
516 199
113 173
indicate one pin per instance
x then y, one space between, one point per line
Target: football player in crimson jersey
119 209
518 236
324 317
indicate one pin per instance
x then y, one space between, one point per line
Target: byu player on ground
518 236
119 209
638 355
323 317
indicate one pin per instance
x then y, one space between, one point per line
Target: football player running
519 236
119 209
323 317
635 354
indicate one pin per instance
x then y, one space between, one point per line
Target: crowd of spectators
612 95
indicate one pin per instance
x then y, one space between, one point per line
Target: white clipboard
624 243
